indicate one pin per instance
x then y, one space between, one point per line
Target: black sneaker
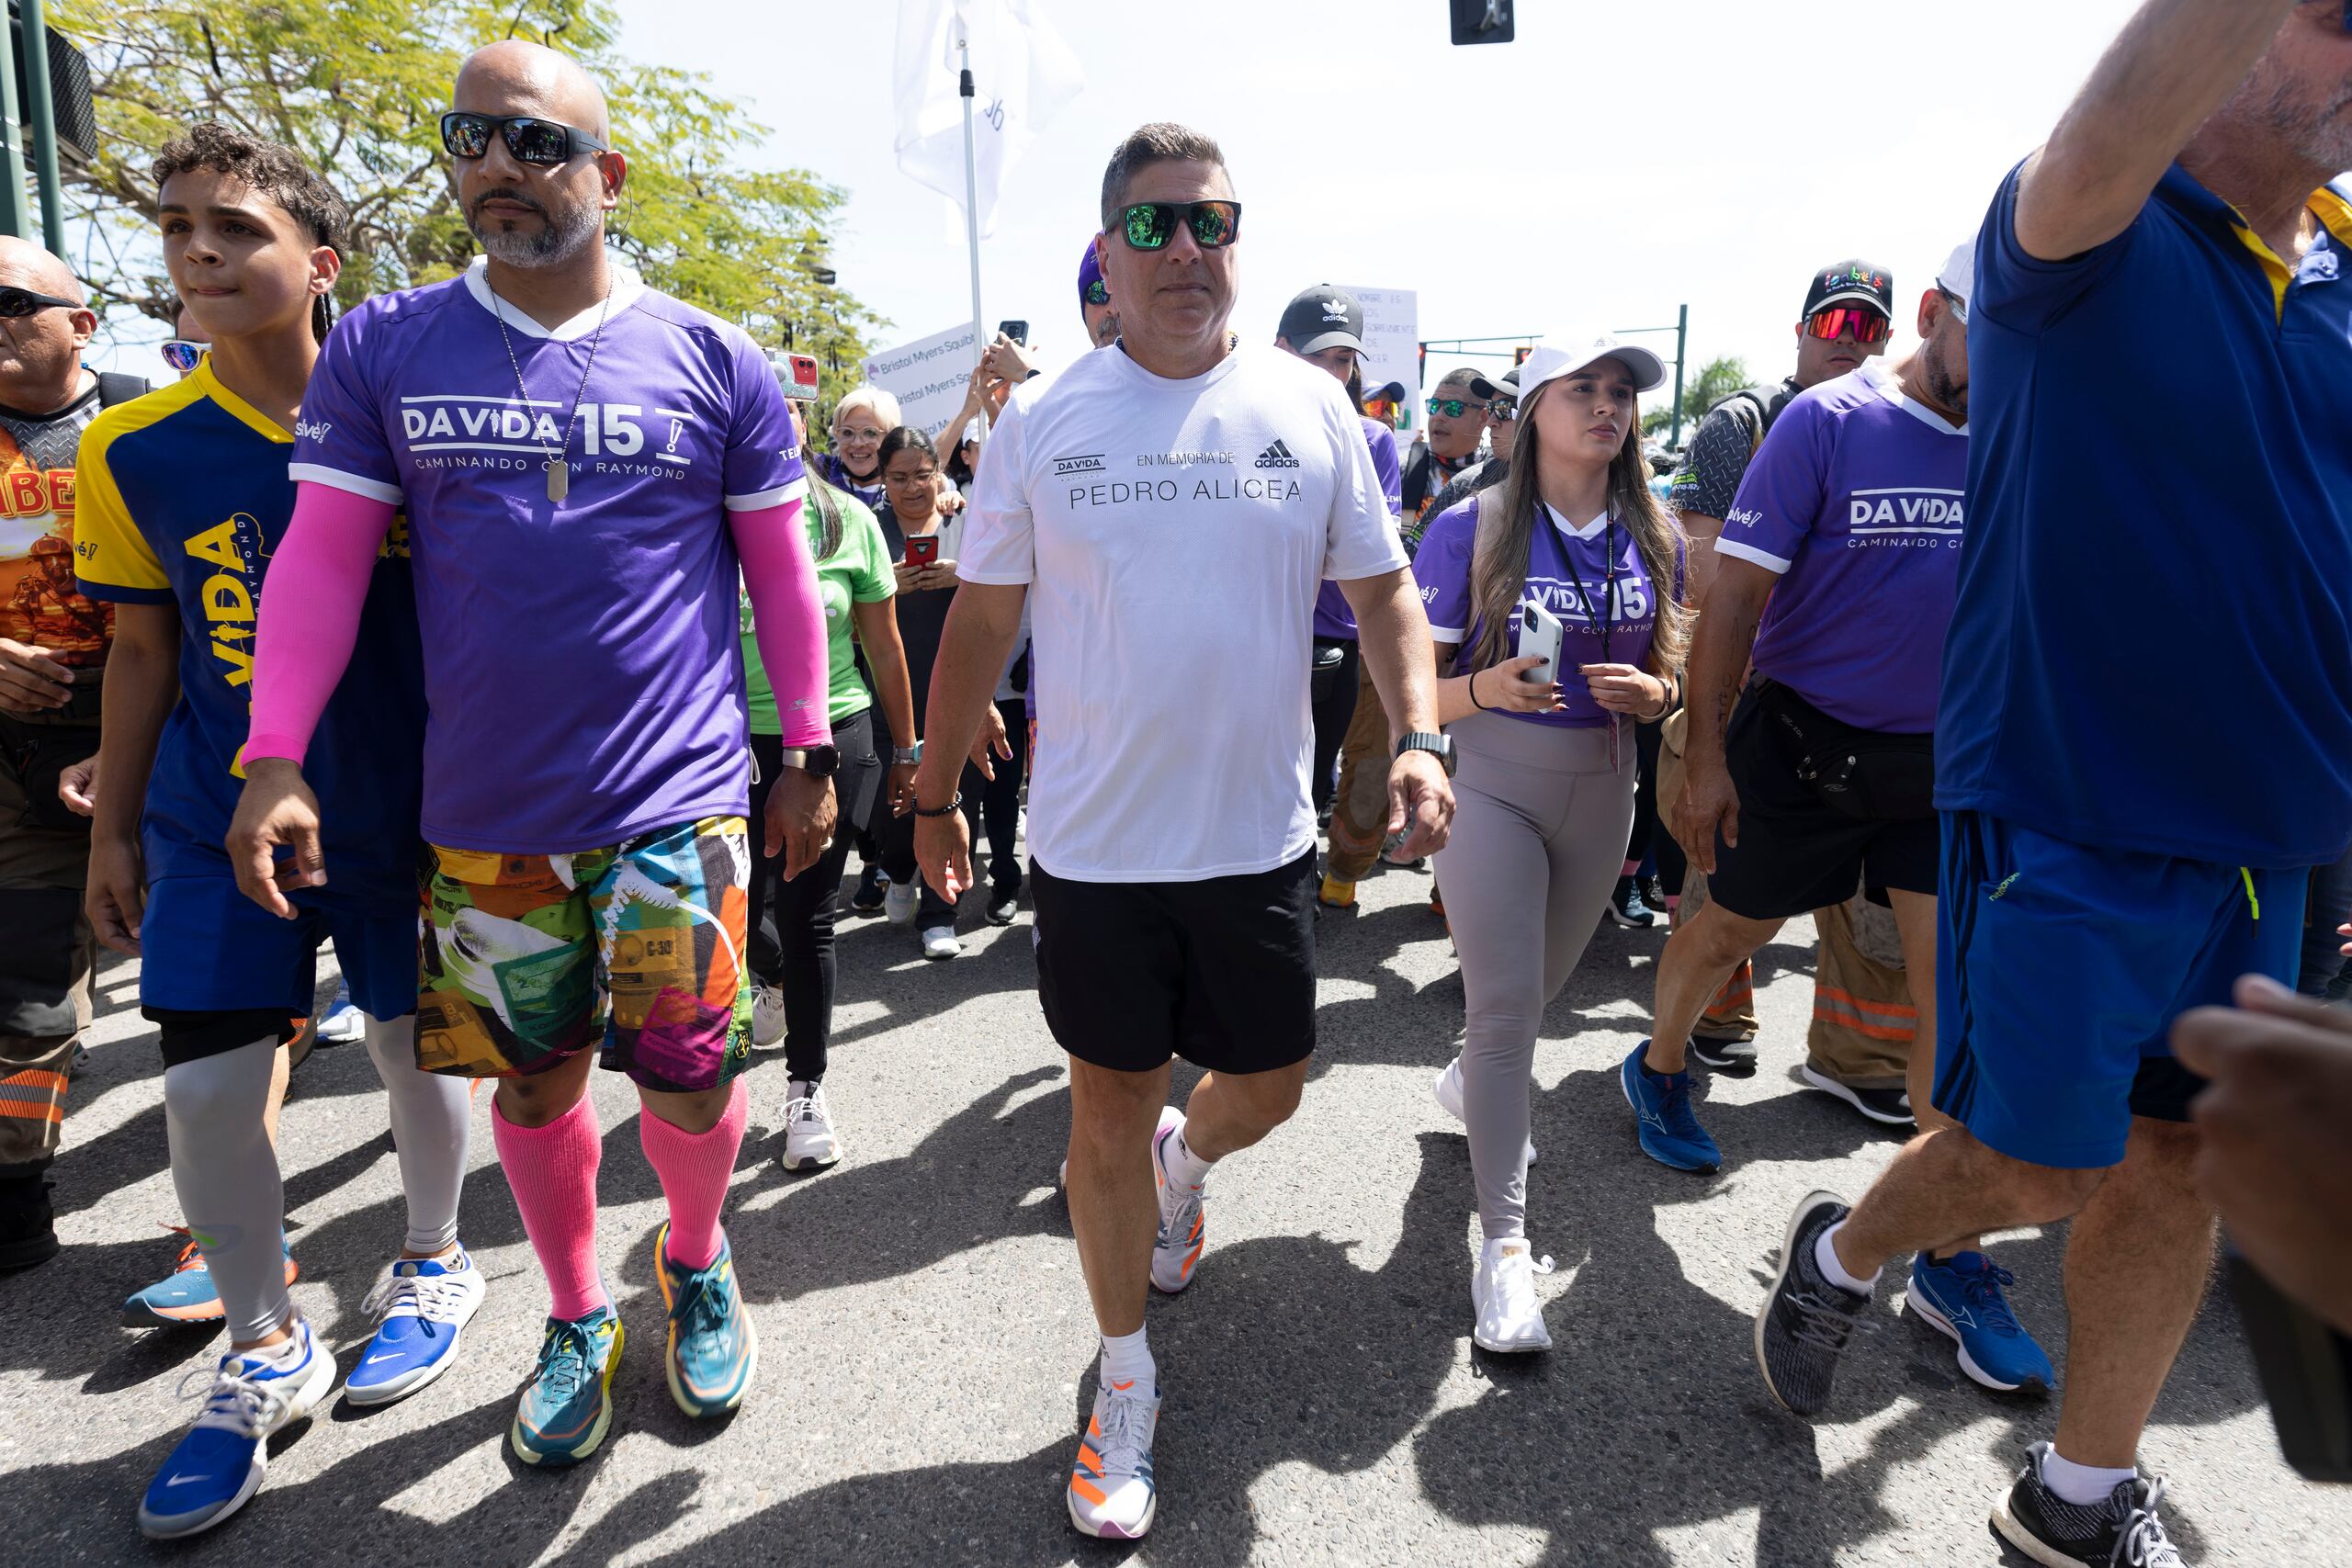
1625 906
27 1223
1887 1107
871 885
1721 1054
1805 1321
2121 1532
1003 904
1653 892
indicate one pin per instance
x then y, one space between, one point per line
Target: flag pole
971 188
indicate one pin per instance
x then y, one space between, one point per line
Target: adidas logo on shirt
1277 457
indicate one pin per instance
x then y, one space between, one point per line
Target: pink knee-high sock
553 1172
694 1168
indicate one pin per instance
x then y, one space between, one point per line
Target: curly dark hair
277 172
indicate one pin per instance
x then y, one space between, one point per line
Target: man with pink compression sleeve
583 462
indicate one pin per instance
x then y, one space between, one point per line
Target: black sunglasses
17 303
547 143
1149 225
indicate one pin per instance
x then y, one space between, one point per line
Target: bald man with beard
52 657
585 465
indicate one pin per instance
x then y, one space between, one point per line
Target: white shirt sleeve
1359 536
1000 530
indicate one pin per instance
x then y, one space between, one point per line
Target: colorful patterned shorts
521 952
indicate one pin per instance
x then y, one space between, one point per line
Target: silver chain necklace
559 464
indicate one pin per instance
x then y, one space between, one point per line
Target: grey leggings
1540 822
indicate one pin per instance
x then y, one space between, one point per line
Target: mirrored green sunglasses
1149 225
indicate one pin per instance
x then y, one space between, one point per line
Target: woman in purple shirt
1544 791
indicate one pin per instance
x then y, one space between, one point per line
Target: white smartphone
1539 633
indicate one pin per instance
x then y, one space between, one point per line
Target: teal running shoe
713 1351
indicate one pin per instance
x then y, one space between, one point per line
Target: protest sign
928 376
1391 338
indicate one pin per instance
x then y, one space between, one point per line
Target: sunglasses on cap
1830 325
16 303
1098 292
182 355
1454 408
1149 225
546 142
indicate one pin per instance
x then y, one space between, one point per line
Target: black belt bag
1867 775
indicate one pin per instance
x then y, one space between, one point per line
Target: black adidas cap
1323 317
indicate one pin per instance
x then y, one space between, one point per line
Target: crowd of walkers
576 643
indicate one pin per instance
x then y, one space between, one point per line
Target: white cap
1958 278
972 432
1565 354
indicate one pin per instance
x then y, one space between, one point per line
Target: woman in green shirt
795 971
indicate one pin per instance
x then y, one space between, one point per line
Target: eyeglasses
546 142
16 303
182 355
1831 324
853 434
1098 292
1149 225
1452 407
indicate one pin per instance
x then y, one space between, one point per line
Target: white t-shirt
1173 535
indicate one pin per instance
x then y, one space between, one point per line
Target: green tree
1716 379
359 86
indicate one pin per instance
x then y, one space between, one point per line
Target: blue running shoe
186 1295
713 1352
1962 1296
423 1307
1663 1120
220 1463
343 1022
568 1404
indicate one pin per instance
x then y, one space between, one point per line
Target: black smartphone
1017 331
2306 1371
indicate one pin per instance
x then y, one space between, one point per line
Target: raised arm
2175 62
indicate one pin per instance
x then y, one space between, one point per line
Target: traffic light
69 89
1482 21
1519 355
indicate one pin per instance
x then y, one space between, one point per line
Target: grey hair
1162 141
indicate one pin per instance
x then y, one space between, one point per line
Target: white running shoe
808 1135
1177 1245
1110 1491
1448 1089
767 1016
899 903
1509 1319
939 942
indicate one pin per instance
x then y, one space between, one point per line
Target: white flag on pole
1021 72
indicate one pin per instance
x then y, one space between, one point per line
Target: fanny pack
1867 775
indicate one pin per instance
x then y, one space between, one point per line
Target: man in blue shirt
2146 735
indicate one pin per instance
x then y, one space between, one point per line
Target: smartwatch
1438 746
818 761
905 754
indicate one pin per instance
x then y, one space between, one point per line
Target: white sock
1126 1359
1825 1257
2085 1485
1184 1168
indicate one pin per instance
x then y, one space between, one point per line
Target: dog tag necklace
559 464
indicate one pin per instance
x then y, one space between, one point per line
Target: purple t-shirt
581 658
1334 618
1855 499
1559 556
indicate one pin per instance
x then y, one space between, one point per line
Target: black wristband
955 804
1474 694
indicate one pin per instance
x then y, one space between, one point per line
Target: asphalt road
927 1348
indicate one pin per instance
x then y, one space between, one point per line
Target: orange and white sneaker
1176 1247
1110 1491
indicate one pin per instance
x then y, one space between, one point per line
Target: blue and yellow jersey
184 496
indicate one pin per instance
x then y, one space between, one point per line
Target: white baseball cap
1565 354
1958 278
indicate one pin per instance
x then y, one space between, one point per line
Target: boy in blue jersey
186 497
2116 852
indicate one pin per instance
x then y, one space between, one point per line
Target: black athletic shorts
1220 972
190 1035
1796 851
